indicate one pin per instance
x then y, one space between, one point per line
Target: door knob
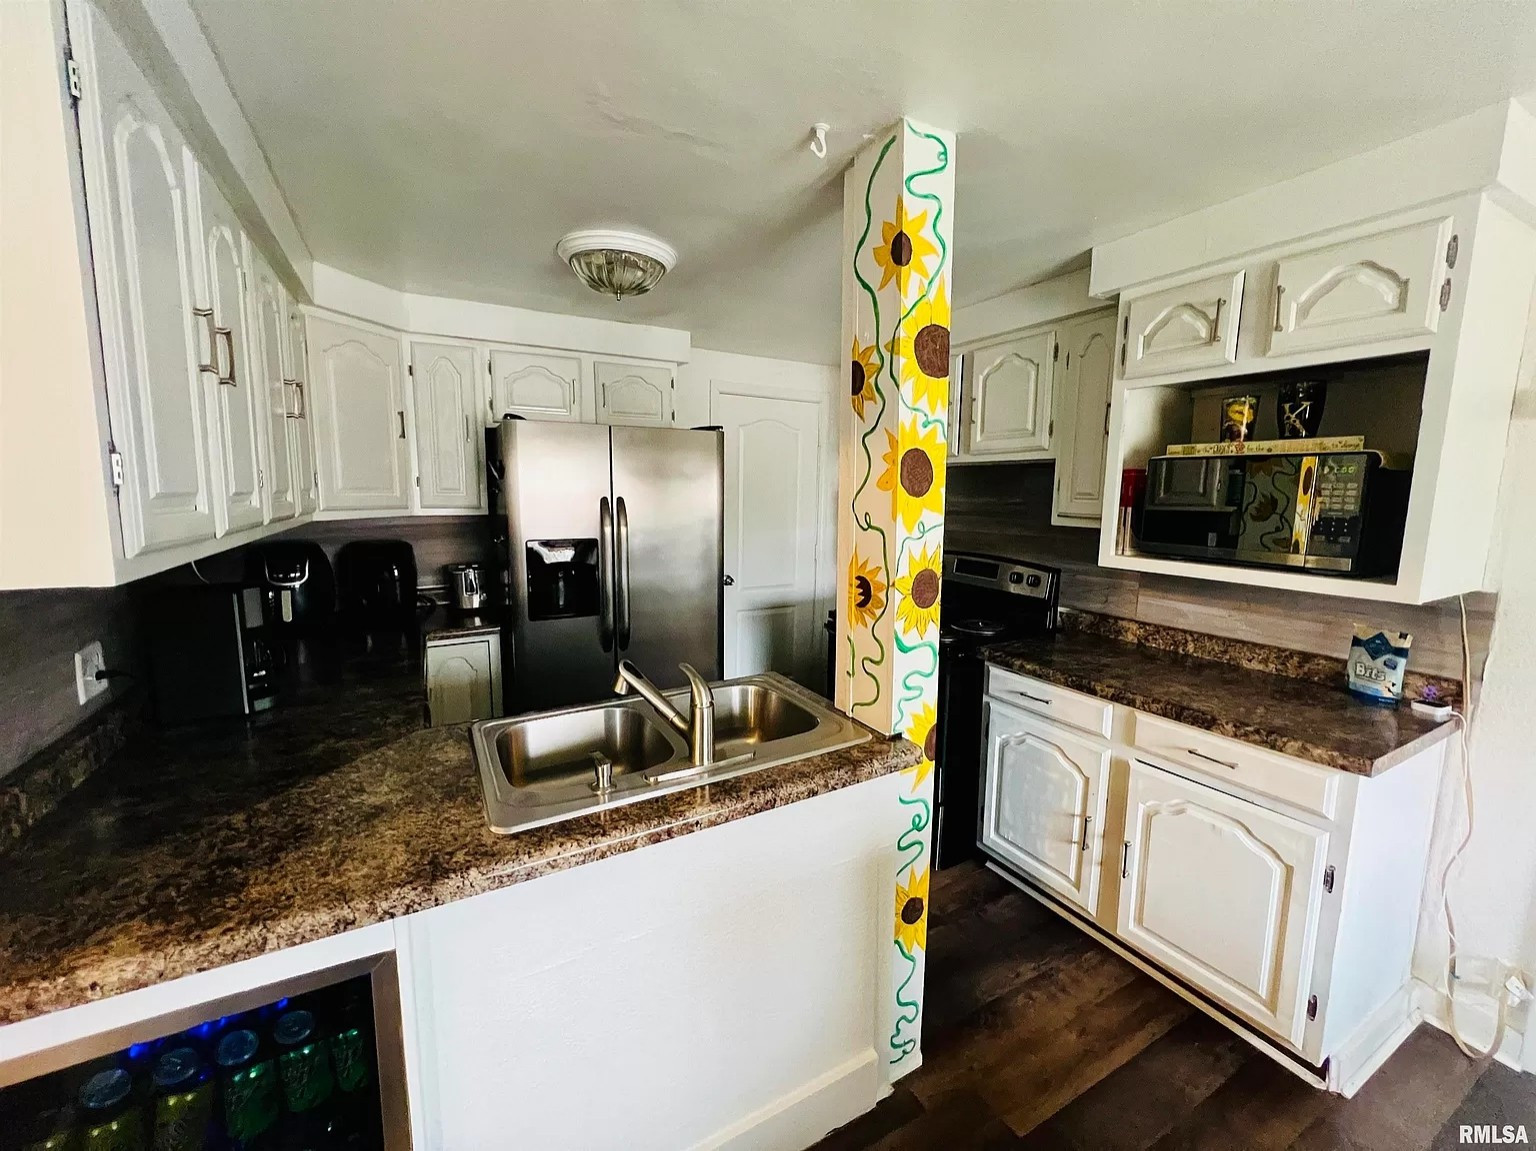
729 581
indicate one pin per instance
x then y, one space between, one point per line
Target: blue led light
138 1050
281 1003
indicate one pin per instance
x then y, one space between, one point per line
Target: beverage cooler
313 1065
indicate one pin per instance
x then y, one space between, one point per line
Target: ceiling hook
819 140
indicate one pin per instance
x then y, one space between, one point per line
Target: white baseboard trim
1374 1041
1434 1006
802 1116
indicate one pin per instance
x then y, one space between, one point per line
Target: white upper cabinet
1224 893
300 428
359 416
449 430
1379 287
1043 804
269 362
1082 422
629 393
1178 329
535 385
237 400
144 243
1006 385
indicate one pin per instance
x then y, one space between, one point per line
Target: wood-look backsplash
1005 509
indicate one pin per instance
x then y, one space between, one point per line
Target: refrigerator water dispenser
562 578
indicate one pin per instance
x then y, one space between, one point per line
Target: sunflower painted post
898 229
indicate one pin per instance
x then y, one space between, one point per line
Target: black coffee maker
298 587
378 585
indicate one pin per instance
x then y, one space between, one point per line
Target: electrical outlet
88 661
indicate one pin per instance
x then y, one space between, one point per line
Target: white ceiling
444 146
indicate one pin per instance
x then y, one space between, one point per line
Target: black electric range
986 599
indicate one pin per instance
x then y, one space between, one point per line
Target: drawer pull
1210 758
1026 695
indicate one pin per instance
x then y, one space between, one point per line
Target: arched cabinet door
359 416
449 437
535 385
1224 893
1174 330
1043 801
1006 386
1379 287
141 188
630 393
269 309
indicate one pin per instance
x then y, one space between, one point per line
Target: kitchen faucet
699 726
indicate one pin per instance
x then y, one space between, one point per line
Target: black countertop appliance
986 599
377 589
297 585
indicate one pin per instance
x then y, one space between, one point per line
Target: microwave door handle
605 574
621 579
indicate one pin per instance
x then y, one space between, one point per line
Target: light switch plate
88 661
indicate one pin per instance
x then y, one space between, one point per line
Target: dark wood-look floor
1037 1037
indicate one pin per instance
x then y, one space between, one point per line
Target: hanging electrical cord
1464 735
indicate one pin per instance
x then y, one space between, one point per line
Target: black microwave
1330 512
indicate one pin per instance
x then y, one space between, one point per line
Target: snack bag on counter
1377 661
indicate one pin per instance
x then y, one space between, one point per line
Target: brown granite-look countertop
204 846
1289 710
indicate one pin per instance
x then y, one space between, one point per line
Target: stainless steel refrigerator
614 549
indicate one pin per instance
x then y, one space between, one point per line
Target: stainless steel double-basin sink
539 769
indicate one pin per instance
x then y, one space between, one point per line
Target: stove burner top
978 628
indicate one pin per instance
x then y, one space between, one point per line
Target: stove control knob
1033 581
1015 577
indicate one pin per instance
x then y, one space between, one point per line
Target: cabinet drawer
1058 703
1378 287
1292 781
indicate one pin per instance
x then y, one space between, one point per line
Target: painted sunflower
903 248
912 912
917 602
922 729
921 347
914 472
864 371
866 592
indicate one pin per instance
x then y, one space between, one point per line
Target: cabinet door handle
1279 294
1210 758
1216 322
228 336
466 427
301 410
1106 421
402 424
1125 860
206 315
1026 695
1087 821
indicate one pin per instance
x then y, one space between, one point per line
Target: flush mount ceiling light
617 264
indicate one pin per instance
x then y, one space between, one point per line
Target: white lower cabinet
1043 808
359 416
1287 911
1224 893
463 679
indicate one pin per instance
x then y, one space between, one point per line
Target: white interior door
361 449
268 362
146 246
772 524
1224 893
1043 803
449 438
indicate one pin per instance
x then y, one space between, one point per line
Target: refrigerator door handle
621 580
605 574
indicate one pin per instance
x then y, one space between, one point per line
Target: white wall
1493 890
